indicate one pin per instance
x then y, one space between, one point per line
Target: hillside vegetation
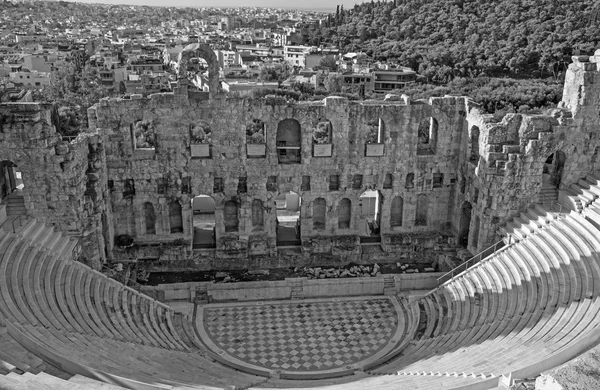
444 39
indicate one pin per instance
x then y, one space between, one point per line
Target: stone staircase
581 194
15 204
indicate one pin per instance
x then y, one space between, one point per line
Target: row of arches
289 136
175 218
288 216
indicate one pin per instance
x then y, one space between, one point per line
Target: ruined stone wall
54 173
508 174
169 173
450 180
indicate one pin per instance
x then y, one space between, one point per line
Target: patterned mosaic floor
302 335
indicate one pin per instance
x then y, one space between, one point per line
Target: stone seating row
68 295
68 309
522 305
42 380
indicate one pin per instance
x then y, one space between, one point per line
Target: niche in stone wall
357 181
200 139
319 214
474 141
344 212
334 182
258 219
289 142
230 216
305 185
128 188
322 134
388 182
410 181
438 180
427 134
175 217
256 139
242 185
396 212
143 135
149 218
271 184
422 210
374 146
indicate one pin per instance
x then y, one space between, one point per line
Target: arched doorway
552 175
465 224
370 216
289 142
203 222
288 207
11 188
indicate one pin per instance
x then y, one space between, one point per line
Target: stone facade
446 173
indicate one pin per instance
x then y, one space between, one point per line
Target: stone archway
203 222
204 51
288 212
552 173
370 216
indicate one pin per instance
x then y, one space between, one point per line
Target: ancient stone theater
441 247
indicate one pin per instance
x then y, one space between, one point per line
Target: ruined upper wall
174 119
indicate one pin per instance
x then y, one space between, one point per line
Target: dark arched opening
230 216
465 224
397 211
319 214
203 222
149 218
552 175
288 207
344 212
175 217
289 142
370 216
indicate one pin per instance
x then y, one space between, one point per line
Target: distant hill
443 39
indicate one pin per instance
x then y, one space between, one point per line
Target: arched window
319 213
474 158
427 134
397 211
289 142
258 219
230 215
344 213
150 218
422 208
175 217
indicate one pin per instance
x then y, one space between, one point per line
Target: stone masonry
446 173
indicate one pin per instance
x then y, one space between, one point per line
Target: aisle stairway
15 204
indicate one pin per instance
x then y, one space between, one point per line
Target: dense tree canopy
443 39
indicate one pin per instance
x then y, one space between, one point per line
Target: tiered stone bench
88 324
523 310
533 305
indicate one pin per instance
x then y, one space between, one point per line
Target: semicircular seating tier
529 307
